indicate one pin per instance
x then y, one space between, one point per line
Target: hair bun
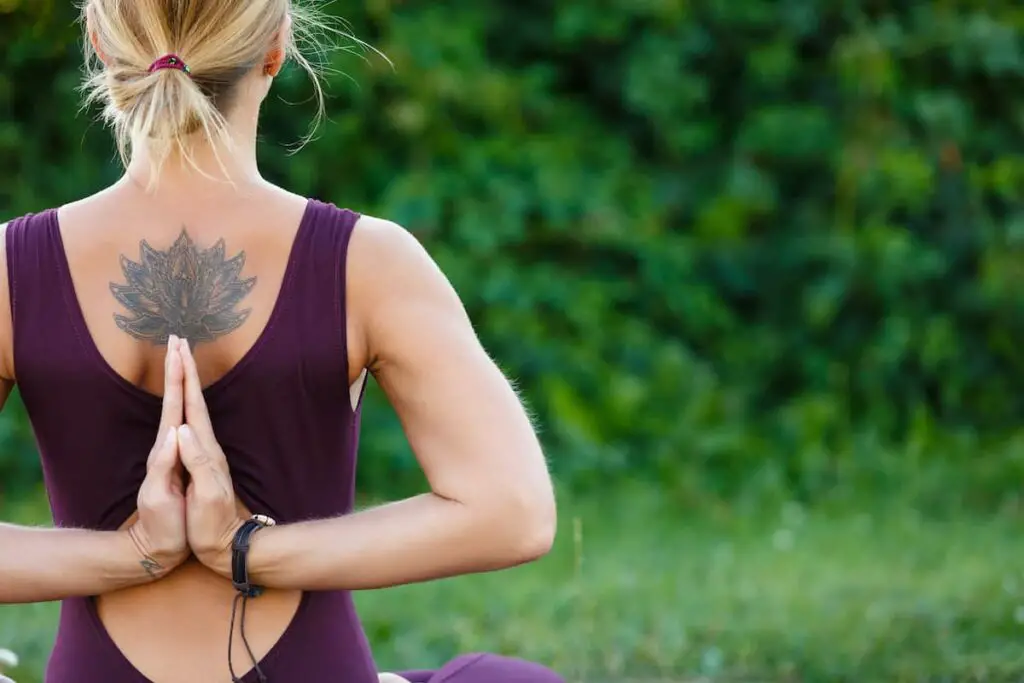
143 44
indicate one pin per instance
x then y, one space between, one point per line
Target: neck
209 166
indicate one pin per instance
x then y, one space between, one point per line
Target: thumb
165 455
192 455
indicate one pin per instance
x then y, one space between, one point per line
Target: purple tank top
283 416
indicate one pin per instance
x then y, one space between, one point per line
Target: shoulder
17 234
386 242
396 291
3 256
23 227
24 235
6 322
391 261
4 229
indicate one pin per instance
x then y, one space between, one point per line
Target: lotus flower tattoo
185 291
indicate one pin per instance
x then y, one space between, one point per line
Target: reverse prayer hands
158 534
173 521
211 509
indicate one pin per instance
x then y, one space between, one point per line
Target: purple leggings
485 668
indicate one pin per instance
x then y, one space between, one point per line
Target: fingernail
184 431
171 434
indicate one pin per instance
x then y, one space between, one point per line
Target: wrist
141 565
218 558
220 563
261 550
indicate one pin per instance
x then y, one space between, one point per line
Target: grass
637 590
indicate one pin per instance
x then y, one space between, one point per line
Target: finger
210 481
194 457
196 413
173 407
164 458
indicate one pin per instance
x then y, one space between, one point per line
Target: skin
7 658
491 503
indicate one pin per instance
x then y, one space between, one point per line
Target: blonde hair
221 41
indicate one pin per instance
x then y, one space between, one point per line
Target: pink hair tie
170 62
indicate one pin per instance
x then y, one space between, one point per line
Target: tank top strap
37 289
317 292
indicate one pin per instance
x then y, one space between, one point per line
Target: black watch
240 554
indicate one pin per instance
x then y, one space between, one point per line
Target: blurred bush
766 247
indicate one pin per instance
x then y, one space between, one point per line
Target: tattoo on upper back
186 291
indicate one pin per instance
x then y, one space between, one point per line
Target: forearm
40 565
419 539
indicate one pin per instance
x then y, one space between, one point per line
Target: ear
274 61
95 40
94 37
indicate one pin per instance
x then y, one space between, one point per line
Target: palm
212 511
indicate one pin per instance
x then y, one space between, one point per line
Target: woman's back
286 305
130 251
257 282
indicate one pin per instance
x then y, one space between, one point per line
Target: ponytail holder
170 62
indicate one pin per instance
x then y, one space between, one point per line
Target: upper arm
464 421
6 320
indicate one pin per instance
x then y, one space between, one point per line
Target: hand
8 660
159 535
211 512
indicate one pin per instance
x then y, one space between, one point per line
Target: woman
192 344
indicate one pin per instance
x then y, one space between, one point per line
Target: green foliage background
755 246
741 255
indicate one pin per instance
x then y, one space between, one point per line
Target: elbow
532 523
538 542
